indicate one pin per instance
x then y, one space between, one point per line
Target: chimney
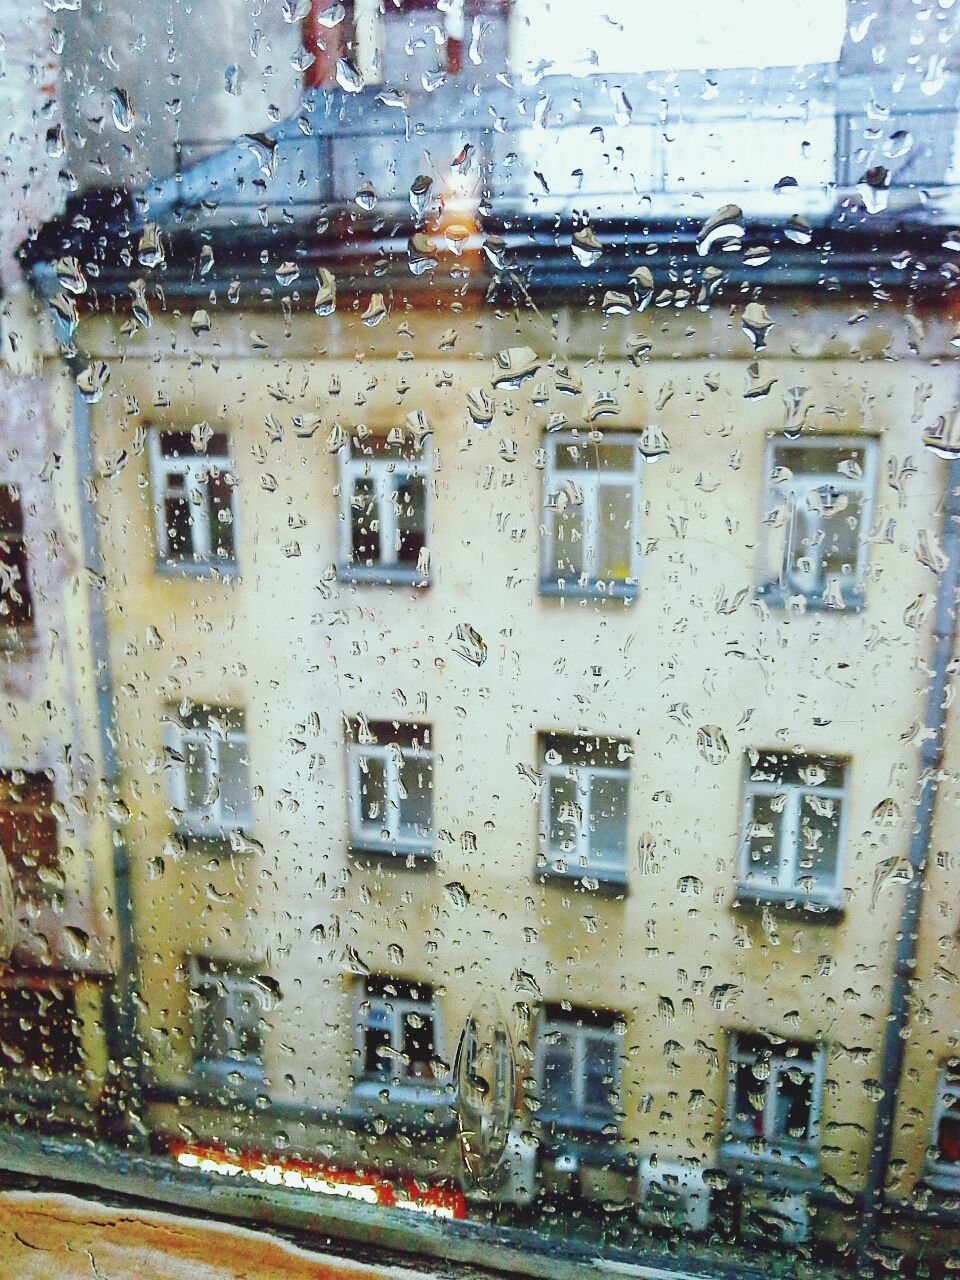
326 43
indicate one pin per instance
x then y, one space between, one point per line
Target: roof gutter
931 755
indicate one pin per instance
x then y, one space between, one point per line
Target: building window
227 1019
396 1027
209 770
591 515
773 1098
583 807
28 833
818 509
943 1159
383 487
16 600
794 824
390 789
39 1031
577 1066
194 503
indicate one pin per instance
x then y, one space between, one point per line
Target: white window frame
811 1059
582 860
785 887
936 1171
589 481
214 820
400 1087
776 584
236 984
580 1035
383 472
369 836
195 471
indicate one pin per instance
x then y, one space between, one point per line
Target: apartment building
537 623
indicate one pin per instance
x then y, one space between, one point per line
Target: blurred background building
496 515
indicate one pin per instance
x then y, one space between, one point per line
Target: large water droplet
724 229
348 77
485 1076
587 249
122 110
712 744
420 190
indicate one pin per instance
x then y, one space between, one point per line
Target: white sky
651 35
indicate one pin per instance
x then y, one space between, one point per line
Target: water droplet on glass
150 251
484 1074
92 380
616 304
456 895
712 744
587 249
326 300
756 324
898 144
758 255
725 229
798 230
514 366
348 77
469 644
77 942
122 110
421 254
366 196
420 190
200 322
287 273
294 10
873 189
653 444
375 311
480 406
642 284
70 275
943 438
886 813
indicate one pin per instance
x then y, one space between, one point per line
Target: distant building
517 582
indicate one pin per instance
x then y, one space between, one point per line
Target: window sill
603 883
228 571
781 1168
387 576
422 857
777 597
553 590
216 842
755 898
945 1181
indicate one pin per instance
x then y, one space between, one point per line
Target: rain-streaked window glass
479 630
773 1100
397 1031
591 506
817 522
583 807
795 829
227 1022
384 490
390 789
207 769
577 1061
194 498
